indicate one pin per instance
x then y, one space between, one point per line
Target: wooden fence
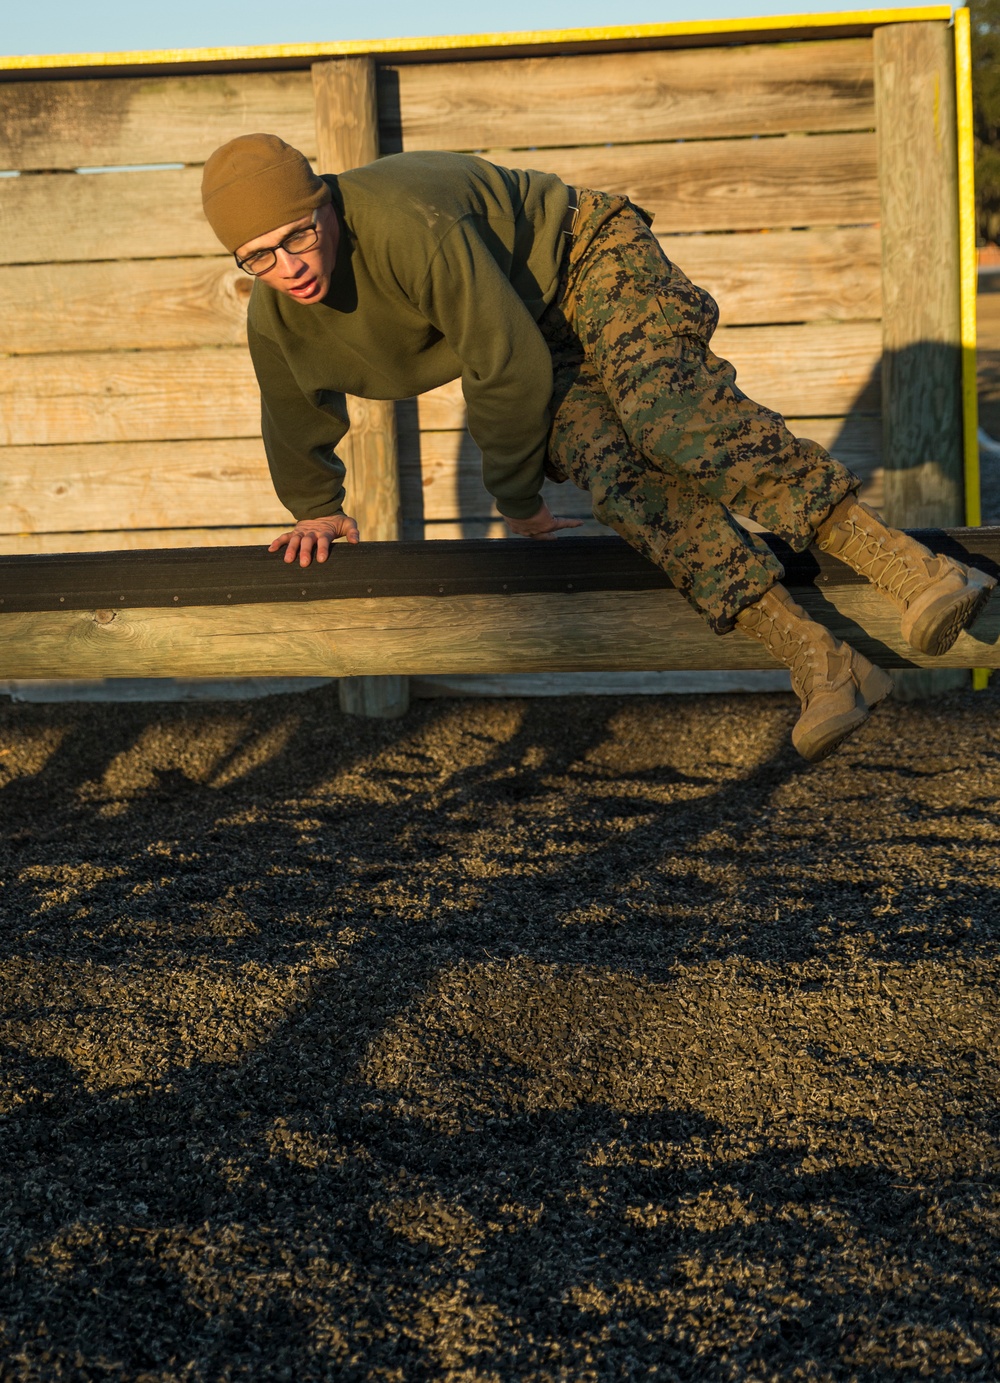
809 184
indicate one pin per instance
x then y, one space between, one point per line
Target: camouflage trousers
652 423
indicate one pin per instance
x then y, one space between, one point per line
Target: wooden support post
347 137
921 322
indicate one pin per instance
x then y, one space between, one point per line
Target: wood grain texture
375 698
442 479
345 100
801 371
115 540
441 472
855 439
419 530
790 276
128 396
726 184
451 529
917 150
718 185
370 454
106 216
347 136
439 410
176 394
136 485
129 305
785 276
95 122
640 631
628 97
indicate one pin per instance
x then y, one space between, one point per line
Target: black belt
569 220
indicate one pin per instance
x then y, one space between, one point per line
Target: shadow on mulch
556 1040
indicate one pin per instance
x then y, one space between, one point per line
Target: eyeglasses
296 242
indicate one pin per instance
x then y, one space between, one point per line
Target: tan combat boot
938 597
836 685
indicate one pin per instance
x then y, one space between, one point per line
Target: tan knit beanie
256 183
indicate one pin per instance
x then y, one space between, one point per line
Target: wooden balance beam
575 604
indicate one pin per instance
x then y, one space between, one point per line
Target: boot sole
874 685
936 629
824 739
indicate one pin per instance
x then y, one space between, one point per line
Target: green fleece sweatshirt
446 263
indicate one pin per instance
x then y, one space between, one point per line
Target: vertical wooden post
347 137
922 409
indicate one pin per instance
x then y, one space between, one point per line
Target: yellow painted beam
967 261
432 45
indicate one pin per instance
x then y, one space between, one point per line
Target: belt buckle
569 220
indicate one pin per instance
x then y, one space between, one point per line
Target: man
583 354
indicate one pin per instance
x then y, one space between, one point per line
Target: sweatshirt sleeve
506 365
300 436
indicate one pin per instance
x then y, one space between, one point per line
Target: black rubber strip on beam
434 569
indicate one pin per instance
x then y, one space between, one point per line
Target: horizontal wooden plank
644 631
785 276
131 539
727 184
628 97
697 33
454 530
123 485
122 488
856 440
174 395
418 530
442 479
128 396
129 305
95 123
111 216
441 472
801 371
810 370
385 570
717 185
391 570
106 216
439 410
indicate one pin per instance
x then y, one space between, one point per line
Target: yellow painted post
967 263
967 270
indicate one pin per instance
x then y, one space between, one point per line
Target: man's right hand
312 537
542 524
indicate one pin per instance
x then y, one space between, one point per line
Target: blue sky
69 26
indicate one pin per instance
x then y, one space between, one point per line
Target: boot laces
790 648
871 556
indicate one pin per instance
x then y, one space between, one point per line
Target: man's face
304 274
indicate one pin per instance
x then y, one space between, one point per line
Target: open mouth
304 290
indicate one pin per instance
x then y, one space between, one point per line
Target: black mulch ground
553 1040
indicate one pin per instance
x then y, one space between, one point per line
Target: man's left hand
544 524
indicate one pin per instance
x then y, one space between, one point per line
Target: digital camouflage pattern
652 423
